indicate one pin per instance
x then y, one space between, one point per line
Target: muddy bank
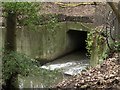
104 76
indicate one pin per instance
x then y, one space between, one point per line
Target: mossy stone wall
44 44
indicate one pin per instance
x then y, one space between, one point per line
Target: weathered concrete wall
28 42
54 43
44 44
60 42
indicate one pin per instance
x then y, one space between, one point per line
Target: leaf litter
105 76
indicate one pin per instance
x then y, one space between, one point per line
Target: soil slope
105 76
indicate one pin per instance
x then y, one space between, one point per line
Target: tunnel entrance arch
76 40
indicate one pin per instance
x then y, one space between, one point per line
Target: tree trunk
11 83
94 60
117 22
115 10
10 37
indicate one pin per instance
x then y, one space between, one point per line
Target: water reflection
66 66
44 80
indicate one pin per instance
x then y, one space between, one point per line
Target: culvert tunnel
76 40
74 59
74 45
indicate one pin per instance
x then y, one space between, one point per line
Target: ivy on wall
96 42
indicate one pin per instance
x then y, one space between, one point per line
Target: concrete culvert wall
44 45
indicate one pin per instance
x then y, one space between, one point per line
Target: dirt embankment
105 76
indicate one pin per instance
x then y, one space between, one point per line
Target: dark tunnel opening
75 47
77 40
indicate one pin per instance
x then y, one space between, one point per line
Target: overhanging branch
115 10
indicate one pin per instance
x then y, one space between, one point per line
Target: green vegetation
19 14
96 47
26 14
16 62
26 67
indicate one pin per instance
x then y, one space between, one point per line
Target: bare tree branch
115 10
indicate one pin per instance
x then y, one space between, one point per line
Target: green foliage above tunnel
27 12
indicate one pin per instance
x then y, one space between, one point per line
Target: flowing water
71 64
68 66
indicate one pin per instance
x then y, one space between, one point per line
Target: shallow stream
68 66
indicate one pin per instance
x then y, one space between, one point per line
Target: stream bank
104 76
